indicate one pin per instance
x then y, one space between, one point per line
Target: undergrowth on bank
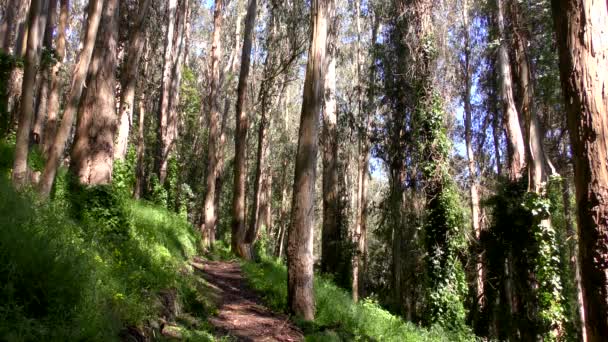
337 317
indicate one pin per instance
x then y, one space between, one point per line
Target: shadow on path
239 313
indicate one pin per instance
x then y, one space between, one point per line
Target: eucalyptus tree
92 157
300 276
57 149
580 30
32 58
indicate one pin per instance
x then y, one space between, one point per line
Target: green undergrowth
96 266
337 317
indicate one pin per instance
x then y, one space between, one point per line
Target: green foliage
546 265
444 227
337 317
523 236
123 174
87 271
158 193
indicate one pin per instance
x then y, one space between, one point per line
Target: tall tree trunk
57 149
208 228
330 235
141 147
50 10
127 95
300 296
32 59
140 172
468 137
93 150
239 230
258 191
164 145
359 260
515 139
575 268
56 82
583 50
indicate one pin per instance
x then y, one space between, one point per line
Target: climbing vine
444 226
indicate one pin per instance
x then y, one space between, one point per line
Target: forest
287 170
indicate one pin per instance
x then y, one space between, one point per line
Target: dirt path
240 313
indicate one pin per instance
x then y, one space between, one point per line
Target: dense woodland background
446 161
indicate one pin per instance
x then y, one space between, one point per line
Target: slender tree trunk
57 149
359 261
164 145
208 228
468 137
515 139
258 191
239 230
127 95
581 28
50 10
56 82
32 59
330 235
574 261
140 173
300 296
93 150
141 147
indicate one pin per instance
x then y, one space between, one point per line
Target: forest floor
240 312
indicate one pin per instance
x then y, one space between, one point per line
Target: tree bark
330 234
239 230
580 29
127 95
49 9
515 139
92 154
57 149
32 59
300 296
56 82
164 143
140 172
208 228
16 19
472 165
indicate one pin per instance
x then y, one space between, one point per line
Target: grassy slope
60 280
337 317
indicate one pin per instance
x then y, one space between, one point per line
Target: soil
240 312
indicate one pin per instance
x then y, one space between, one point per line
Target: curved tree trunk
57 149
300 296
92 156
583 50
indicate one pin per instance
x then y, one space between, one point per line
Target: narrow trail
240 312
